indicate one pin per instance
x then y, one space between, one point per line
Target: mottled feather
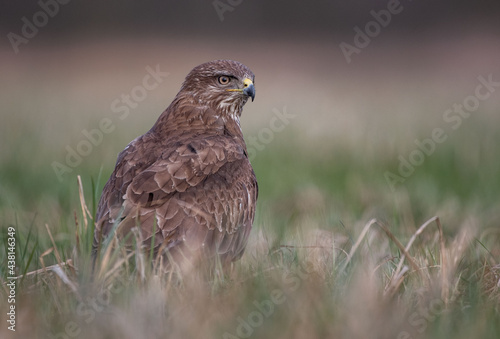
188 180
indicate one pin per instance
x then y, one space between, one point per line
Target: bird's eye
223 80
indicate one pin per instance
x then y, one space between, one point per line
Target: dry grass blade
358 242
400 247
77 237
395 279
58 256
85 210
139 254
68 263
64 277
107 255
444 264
115 269
57 268
412 240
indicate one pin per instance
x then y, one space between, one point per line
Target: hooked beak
248 88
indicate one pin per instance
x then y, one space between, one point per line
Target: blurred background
354 102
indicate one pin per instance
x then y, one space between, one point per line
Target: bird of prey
187 183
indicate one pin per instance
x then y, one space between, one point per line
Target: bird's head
223 85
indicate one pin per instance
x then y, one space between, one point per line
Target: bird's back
187 183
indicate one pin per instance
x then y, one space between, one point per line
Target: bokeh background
64 78
350 121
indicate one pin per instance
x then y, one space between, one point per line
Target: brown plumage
189 177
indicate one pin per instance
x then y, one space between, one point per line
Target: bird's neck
186 114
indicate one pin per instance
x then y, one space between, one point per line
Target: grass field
336 251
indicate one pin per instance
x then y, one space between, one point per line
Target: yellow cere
246 82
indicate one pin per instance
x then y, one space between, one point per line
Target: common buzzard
187 183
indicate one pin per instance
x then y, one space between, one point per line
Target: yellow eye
223 80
